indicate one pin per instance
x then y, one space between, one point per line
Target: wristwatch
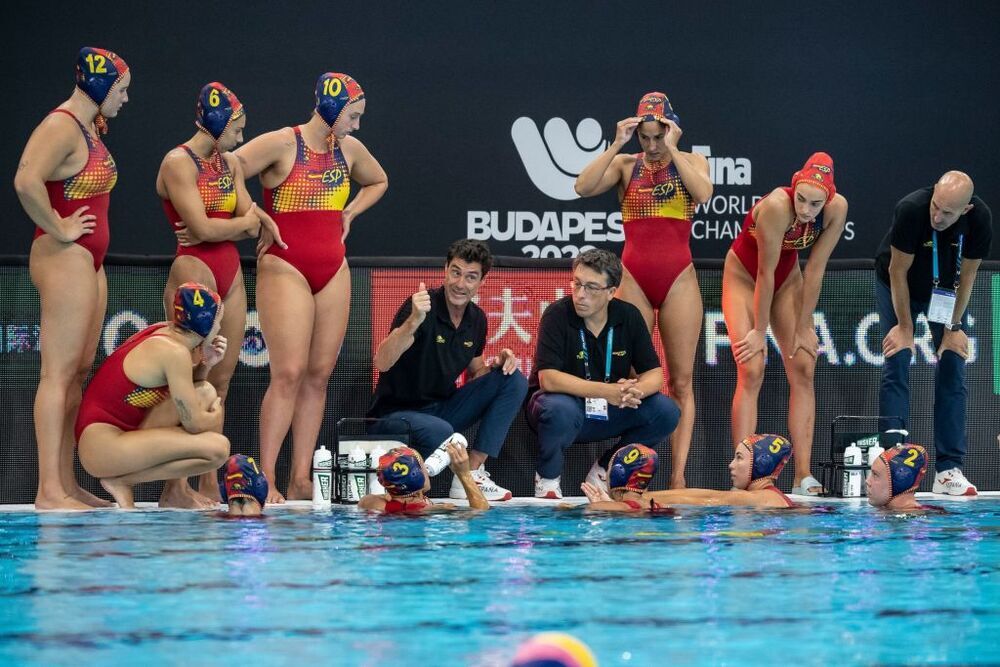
955 326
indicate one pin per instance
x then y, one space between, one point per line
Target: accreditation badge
596 408
942 307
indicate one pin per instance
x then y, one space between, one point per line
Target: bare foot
300 490
58 500
274 497
208 486
678 483
121 492
89 498
178 493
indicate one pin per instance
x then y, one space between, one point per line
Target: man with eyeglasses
596 375
437 335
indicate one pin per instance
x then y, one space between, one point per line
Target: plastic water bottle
357 478
874 452
377 452
440 458
322 472
853 464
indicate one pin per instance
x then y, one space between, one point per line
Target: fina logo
554 157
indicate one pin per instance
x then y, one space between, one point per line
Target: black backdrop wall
482 113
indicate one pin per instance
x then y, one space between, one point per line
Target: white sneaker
953 483
598 477
490 489
547 488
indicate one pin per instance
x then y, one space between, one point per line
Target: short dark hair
601 261
470 251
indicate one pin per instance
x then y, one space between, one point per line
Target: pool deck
523 502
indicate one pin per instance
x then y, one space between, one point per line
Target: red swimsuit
111 398
308 208
788 501
218 193
91 186
656 215
799 237
393 506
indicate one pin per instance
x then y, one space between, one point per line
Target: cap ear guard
907 465
241 478
656 106
632 468
769 454
218 107
400 472
334 91
196 308
817 171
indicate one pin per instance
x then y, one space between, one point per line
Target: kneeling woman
127 430
755 466
402 473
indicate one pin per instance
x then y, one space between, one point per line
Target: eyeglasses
591 289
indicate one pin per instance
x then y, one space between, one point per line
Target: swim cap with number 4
196 308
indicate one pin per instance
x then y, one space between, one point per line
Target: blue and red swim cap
98 71
907 466
196 308
631 468
400 472
241 478
656 106
768 453
334 91
218 108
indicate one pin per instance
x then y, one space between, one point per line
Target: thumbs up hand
421 301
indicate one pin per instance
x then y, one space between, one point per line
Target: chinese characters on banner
513 300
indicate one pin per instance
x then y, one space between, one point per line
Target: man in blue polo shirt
437 335
927 263
596 375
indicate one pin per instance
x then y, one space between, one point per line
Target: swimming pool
837 583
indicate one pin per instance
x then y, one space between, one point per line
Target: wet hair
602 262
471 251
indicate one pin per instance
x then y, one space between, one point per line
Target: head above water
632 468
759 457
401 472
896 472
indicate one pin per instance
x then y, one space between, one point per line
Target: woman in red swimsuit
63 181
762 285
148 414
206 200
403 475
658 190
304 289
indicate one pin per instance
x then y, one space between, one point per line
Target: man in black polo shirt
583 384
436 335
927 263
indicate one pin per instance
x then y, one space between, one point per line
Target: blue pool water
838 584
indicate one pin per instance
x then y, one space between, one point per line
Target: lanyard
586 357
958 259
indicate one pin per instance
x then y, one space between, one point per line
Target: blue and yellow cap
334 91
97 72
400 472
218 108
907 466
631 468
769 454
196 307
241 478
